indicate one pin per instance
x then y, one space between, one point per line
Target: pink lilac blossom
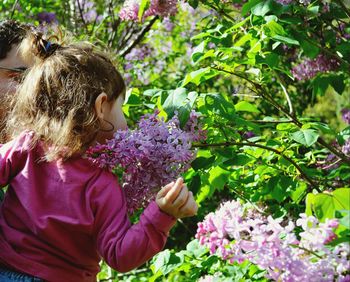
238 233
311 67
151 156
163 8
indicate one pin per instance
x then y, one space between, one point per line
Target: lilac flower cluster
238 233
136 61
311 67
163 8
151 156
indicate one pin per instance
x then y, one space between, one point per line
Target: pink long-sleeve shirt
59 218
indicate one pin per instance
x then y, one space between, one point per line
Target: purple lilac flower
342 28
346 148
346 115
151 156
139 54
168 24
238 233
47 17
163 8
311 67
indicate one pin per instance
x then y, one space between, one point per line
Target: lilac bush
238 233
151 156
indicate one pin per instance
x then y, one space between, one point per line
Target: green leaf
144 5
324 205
270 59
285 39
309 49
198 51
218 177
166 262
249 5
196 249
202 162
345 218
199 76
238 160
219 105
274 28
193 3
262 8
343 135
195 184
181 102
337 82
306 137
245 106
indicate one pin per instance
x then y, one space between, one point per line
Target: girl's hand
175 199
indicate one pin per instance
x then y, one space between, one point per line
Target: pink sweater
59 218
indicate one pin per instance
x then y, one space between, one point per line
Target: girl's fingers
165 190
174 191
181 198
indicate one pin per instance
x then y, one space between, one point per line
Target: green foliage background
269 135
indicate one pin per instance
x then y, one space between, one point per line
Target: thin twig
307 250
221 12
271 121
246 95
289 101
82 16
13 9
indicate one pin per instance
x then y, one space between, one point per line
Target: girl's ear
100 105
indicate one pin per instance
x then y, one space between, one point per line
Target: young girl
61 214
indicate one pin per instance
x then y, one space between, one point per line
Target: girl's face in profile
111 119
116 115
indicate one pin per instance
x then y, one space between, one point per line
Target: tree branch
247 143
264 94
140 37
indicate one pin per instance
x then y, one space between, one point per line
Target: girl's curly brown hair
56 99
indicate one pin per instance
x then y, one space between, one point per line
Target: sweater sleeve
12 158
122 245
